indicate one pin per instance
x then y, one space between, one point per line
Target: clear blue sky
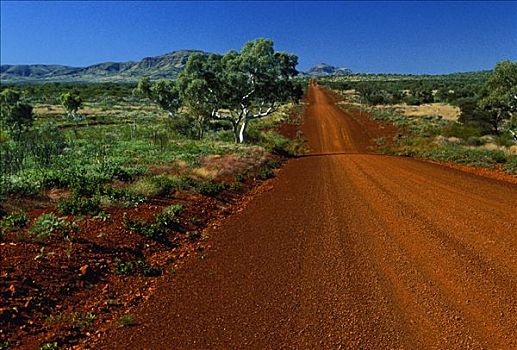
391 37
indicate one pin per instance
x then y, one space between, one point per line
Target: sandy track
349 250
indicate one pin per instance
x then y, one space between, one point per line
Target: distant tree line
49 93
487 101
412 91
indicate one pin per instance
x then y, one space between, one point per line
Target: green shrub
499 157
125 197
73 319
128 174
168 218
20 185
14 221
50 346
461 131
266 171
505 139
412 100
140 266
156 231
126 321
511 164
211 188
46 225
163 184
160 185
474 141
175 209
462 155
79 205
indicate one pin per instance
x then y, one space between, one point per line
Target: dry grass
92 109
226 165
446 111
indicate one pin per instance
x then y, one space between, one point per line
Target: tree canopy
236 87
501 98
15 114
71 101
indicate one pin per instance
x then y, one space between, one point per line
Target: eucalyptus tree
257 80
162 92
501 97
71 101
239 87
200 88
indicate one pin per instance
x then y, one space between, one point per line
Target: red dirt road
349 250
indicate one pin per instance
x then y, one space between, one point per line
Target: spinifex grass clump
160 185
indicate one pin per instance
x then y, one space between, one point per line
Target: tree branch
261 114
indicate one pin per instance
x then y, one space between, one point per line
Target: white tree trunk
242 132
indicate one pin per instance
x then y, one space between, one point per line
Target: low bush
412 101
462 155
278 144
126 321
169 217
211 188
14 221
133 267
160 185
266 170
505 139
475 141
79 205
122 196
162 223
511 164
46 225
155 231
50 346
265 173
461 131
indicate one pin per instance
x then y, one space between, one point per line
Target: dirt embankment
347 249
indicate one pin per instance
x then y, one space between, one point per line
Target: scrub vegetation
483 133
102 183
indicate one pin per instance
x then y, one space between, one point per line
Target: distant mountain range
323 69
166 66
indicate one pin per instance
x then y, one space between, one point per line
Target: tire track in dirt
348 250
